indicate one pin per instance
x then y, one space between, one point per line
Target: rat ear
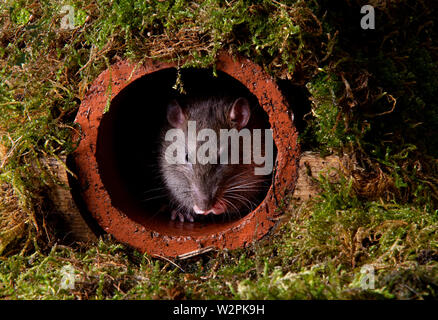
175 115
240 113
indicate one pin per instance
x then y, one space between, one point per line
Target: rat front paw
182 216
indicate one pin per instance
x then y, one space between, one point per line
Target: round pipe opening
115 160
128 145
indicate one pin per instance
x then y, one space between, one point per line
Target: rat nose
216 209
203 200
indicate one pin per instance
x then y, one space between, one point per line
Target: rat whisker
243 183
154 190
245 201
245 188
230 203
153 198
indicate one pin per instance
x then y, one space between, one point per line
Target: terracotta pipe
155 237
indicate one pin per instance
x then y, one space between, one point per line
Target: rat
197 188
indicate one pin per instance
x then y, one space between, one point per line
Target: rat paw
182 216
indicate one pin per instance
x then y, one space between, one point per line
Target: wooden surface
66 208
311 166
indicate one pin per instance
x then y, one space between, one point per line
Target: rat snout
205 202
218 208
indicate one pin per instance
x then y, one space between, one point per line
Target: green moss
45 68
377 104
331 242
327 124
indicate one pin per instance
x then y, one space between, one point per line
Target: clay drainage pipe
166 239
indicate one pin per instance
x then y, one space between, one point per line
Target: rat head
202 181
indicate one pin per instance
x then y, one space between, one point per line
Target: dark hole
128 144
298 99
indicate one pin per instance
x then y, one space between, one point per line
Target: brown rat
197 188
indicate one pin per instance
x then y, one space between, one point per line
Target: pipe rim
241 232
